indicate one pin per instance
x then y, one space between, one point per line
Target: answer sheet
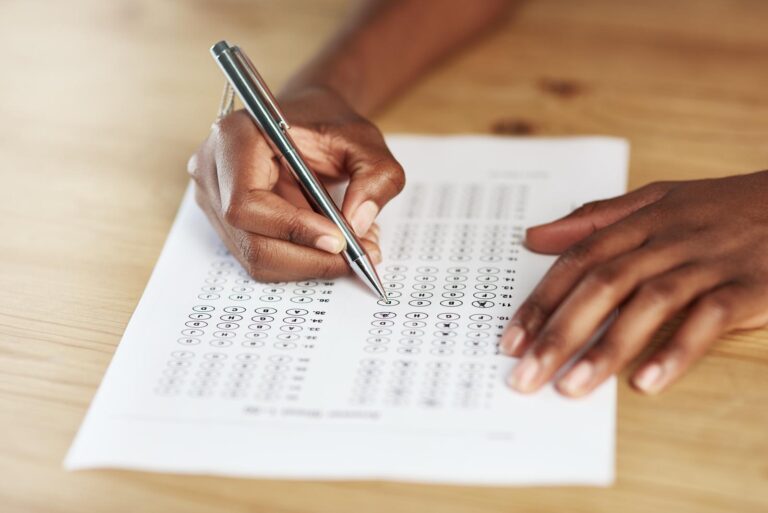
218 374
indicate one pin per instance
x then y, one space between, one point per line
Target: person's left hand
700 247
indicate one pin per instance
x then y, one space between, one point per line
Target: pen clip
261 86
227 100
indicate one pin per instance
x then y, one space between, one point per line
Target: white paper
217 374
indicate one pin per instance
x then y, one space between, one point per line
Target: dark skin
695 249
258 209
255 205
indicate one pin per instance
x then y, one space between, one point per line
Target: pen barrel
316 194
320 200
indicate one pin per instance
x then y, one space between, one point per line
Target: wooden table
102 102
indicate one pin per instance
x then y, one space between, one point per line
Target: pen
263 108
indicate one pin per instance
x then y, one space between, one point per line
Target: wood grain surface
101 103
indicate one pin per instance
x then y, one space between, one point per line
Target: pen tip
364 269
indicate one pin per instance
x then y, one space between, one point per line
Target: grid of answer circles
275 323
488 286
284 329
288 319
431 384
276 377
433 242
226 280
502 201
447 334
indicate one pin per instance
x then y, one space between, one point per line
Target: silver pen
262 106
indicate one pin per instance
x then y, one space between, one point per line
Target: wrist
335 74
312 105
301 94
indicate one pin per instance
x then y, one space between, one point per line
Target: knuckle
587 208
394 174
551 341
331 268
227 124
294 228
657 292
656 190
193 165
604 277
577 256
217 128
253 252
719 306
233 212
200 167
531 313
221 127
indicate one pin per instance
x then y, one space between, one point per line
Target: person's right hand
258 209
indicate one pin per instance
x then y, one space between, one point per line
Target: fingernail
649 378
512 339
363 217
524 374
329 243
577 379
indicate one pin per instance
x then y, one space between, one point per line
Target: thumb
557 236
375 178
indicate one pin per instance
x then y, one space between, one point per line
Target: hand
697 247
258 209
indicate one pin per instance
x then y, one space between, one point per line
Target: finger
728 307
246 172
202 169
588 306
653 304
288 188
225 232
373 234
265 213
244 160
564 274
281 261
267 259
373 249
557 236
375 178
233 146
